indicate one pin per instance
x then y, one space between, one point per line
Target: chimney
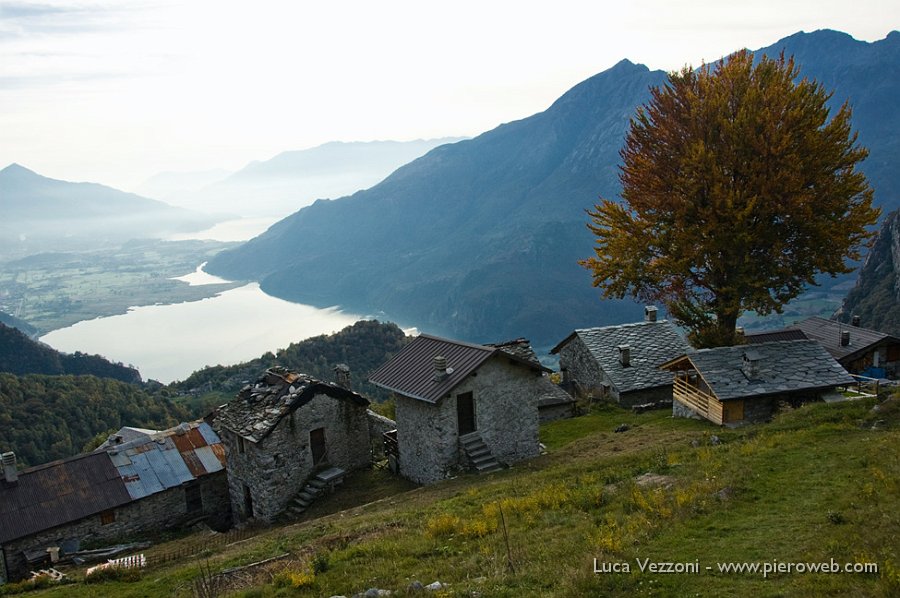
845 338
9 468
441 371
625 355
342 376
650 313
854 321
750 364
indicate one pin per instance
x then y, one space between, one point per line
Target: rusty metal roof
59 492
411 372
167 459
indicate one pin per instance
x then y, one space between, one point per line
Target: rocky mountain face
876 296
480 239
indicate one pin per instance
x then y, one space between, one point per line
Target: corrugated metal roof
59 492
411 372
168 459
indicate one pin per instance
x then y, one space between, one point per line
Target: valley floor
819 484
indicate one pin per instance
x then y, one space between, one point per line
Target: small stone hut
621 363
461 405
282 430
746 383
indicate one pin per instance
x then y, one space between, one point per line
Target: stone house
746 383
281 431
162 480
554 403
621 363
461 405
860 350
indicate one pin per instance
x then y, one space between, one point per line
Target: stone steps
479 454
316 487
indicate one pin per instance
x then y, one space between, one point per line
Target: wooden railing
865 385
391 448
704 404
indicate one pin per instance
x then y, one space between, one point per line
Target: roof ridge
626 325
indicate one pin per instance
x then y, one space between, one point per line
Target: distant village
288 440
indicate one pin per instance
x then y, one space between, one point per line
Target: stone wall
277 468
378 425
156 512
580 368
646 395
552 413
506 415
428 439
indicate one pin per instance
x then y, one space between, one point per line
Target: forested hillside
20 355
44 418
362 346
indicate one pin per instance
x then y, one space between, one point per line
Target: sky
117 91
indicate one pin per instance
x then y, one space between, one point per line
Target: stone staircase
479 454
317 486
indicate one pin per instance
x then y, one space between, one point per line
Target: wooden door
465 413
733 411
317 444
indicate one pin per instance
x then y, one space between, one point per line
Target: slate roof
167 459
828 334
651 343
520 347
784 367
411 371
59 492
259 407
780 334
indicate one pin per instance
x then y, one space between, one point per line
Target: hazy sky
114 92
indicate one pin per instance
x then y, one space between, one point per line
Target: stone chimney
10 474
342 376
845 338
750 364
854 321
625 355
441 371
650 313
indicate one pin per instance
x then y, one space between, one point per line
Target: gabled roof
411 372
59 492
828 334
651 344
259 407
784 367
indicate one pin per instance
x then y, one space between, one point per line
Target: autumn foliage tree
737 190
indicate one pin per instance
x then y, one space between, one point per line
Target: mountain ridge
481 239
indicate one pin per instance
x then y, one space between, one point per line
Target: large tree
737 190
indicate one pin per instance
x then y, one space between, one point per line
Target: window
193 499
241 447
107 517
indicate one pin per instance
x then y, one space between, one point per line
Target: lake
169 342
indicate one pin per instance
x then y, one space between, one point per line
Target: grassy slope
811 486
